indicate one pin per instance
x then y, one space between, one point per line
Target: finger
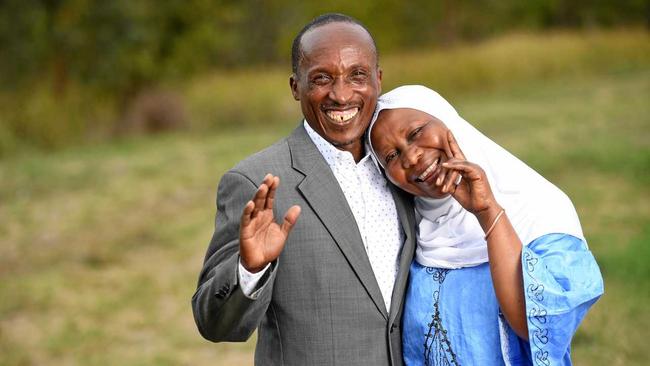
467 170
246 214
260 198
441 176
450 181
268 182
464 167
460 184
268 179
271 196
453 145
461 192
290 219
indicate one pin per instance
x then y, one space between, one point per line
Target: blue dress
452 317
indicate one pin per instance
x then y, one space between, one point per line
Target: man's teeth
429 170
343 116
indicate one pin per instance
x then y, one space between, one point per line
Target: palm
261 238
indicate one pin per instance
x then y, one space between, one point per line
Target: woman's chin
423 190
443 195
436 195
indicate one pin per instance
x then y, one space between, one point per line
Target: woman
502 273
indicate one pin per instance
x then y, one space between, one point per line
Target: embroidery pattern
437 347
537 314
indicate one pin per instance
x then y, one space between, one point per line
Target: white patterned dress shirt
373 207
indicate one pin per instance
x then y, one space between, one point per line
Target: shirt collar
332 155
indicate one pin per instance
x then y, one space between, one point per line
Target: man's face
338 83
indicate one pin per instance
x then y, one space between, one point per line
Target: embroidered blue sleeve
561 282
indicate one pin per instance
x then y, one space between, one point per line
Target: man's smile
341 117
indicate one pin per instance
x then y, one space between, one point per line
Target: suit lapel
323 193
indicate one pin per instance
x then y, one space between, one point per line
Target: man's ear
380 73
293 84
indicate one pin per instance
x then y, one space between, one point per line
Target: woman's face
411 146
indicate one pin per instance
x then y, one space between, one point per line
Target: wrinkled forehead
403 113
398 119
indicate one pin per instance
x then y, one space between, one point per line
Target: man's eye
359 76
320 79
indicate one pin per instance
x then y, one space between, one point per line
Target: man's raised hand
261 239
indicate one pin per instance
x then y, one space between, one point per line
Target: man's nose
411 156
341 92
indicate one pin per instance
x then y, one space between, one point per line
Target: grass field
100 246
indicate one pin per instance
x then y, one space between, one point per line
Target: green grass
100 246
591 137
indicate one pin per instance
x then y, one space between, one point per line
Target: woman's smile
429 172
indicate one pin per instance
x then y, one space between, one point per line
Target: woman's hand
504 246
261 239
473 192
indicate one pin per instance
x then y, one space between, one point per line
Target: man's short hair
296 52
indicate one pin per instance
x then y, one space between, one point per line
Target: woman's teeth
428 171
342 116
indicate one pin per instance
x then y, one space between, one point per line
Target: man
326 286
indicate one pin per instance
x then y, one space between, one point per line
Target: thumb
290 219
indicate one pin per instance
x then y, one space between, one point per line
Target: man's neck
356 149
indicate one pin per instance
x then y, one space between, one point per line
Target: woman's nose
410 157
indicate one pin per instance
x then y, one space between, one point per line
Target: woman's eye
415 133
390 156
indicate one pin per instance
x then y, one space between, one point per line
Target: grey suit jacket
320 303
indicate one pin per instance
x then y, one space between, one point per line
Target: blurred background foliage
74 71
117 119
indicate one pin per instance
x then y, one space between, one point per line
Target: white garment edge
248 281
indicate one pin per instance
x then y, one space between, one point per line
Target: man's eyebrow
317 69
351 67
360 66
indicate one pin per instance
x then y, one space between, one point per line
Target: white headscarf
448 235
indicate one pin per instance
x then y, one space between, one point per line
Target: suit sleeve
222 312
